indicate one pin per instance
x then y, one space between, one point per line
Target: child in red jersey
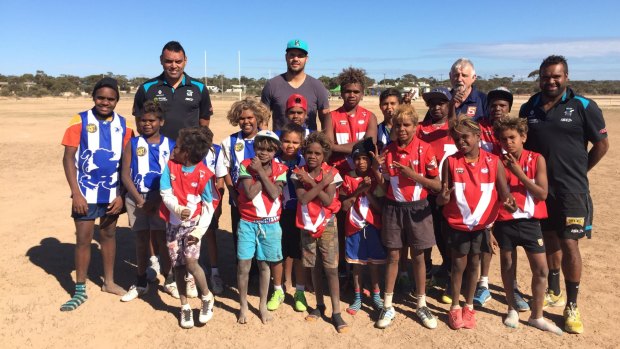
187 195
261 180
526 175
317 200
411 168
471 181
361 191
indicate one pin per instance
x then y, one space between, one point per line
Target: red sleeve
128 135
430 162
73 133
346 186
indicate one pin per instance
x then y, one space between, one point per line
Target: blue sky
384 37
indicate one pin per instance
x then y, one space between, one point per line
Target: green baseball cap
297 44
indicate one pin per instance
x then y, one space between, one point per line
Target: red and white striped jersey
348 129
262 206
439 139
418 154
361 213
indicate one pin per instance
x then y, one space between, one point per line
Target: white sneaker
191 290
426 317
134 292
386 317
217 285
172 290
206 310
154 264
186 318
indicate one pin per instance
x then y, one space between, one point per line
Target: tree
534 74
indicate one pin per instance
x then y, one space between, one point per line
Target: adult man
561 124
185 100
466 97
295 80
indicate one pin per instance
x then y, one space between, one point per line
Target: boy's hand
493 245
185 214
346 204
328 177
256 165
79 204
365 184
115 206
379 163
510 204
445 192
406 170
303 176
511 163
191 240
140 203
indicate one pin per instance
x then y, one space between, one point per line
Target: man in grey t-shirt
295 80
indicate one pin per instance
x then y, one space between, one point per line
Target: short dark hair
352 75
173 46
321 139
152 107
510 123
291 127
553 60
196 141
390 92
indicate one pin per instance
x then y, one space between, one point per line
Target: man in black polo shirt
561 124
467 99
185 100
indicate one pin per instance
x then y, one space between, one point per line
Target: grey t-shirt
278 90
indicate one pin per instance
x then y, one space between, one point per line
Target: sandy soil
36 265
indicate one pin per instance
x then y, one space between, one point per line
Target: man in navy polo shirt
185 100
467 99
561 124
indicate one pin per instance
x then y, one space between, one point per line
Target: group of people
306 203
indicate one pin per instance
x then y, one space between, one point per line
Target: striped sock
78 298
376 299
357 303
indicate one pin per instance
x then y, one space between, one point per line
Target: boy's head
466 134
291 136
352 83
511 132
297 108
266 144
438 103
105 95
248 114
316 149
499 101
388 101
405 121
192 145
361 155
151 119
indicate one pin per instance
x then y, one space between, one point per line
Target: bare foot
288 286
113 288
242 318
265 317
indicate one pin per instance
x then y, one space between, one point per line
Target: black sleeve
206 109
138 101
594 124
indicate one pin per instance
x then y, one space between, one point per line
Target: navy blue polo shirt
561 135
475 105
183 106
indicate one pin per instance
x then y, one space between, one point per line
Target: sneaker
154 264
217 285
404 284
427 318
386 317
446 298
134 292
300 301
191 290
206 309
186 318
481 296
455 319
572 319
276 299
520 303
469 318
172 289
551 300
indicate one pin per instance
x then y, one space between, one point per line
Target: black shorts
519 232
407 224
469 242
215 221
291 235
570 215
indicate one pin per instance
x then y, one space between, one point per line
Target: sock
512 318
78 298
142 282
376 299
484 282
357 303
545 325
277 287
169 279
208 297
300 288
214 271
469 306
388 300
554 281
572 289
421 301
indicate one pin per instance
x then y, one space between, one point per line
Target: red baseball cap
297 100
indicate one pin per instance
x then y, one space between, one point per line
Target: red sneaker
469 318
455 319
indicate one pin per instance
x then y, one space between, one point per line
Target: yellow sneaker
446 298
551 300
572 319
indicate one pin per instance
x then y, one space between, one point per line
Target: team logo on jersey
471 111
459 170
568 112
91 128
238 146
415 162
343 122
484 170
194 184
141 151
190 93
361 122
173 177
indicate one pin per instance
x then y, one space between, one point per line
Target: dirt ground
37 272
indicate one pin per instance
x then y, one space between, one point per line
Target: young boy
291 136
187 207
476 177
411 168
260 184
526 175
388 101
143 160
297 112
93 144
317 200
362 190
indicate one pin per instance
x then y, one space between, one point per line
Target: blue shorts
262 241
94 211
365 247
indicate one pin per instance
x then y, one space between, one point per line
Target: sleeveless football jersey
262 207
313 216
148 161
236 149
417 154
187 188
348 129
361 213
212 160
289 196
439 139
488 142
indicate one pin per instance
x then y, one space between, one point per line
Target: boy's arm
273 190
539 187
444 195
206 215
126 177
232 191
371 131
502 189
79 204
167 196
250 189
374 201
305 196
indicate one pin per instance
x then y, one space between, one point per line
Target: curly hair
553 60
196 141
405 111
352 75
466 122
261 111
321 139
510 123
152 107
